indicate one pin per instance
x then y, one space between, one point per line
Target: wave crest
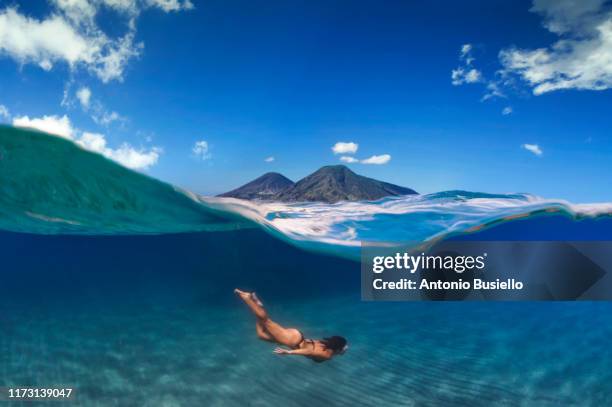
49 185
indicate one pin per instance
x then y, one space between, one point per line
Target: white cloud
493 91
465 54
59 39
133 7
45 64
96 109
201 150
124 6
377 159
172 5
580 59
348 159
466 73
111 65
93 141
472 76
342 147
533 148
59 126
84 95
101 116
269 159
125 155
43 41
77 11
563 16
70 35
137 159
460 76
507 110
4 112
466 49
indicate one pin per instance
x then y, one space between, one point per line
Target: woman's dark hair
336 343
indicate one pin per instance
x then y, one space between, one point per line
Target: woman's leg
262 333
290 337
255 306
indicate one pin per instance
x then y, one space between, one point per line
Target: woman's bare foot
242 294
246 295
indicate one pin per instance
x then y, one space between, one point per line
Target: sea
121 286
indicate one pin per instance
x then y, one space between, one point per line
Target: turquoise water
126 324
49 185
121 286
400 354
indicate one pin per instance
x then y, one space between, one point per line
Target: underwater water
121 286
152 321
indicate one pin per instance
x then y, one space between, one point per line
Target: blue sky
487 96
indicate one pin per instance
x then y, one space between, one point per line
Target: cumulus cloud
561 16
342 147
582 56
172 5
55 39
136 159
269 159
351 148
579 58
4 112
96 109
45 64
125 155
493 90
201 150
533 148
348 159
43 41
77 11
56 125
465 54
507 110
84 95
377 159
104 117
460 76
465 73
93 141
70 35
111 65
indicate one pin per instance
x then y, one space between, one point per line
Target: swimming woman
318 350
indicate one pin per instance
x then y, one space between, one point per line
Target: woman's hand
281 351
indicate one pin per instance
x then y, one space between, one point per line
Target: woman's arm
302 352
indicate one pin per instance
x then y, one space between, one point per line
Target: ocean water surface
121 286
